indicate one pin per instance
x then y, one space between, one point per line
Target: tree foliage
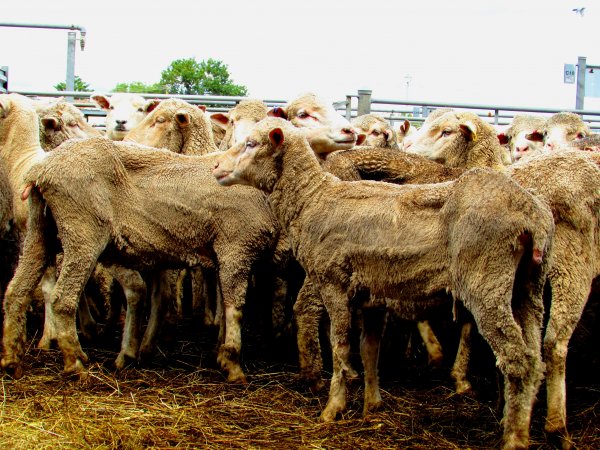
79 84
188 76
137 87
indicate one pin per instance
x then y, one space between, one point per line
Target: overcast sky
505 52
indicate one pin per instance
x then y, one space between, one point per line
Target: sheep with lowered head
363 240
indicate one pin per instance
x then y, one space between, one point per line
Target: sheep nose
348 130
522 149
550 146
407 145
121 122
216 166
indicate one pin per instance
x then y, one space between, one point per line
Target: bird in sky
579 11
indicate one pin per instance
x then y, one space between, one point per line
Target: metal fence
362 103
3 79
416 112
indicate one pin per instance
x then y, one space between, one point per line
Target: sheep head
257 161
459 140
559 130
378 132
123 112
326 129
238 122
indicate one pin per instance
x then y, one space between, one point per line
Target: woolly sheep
141 207
560 129
60 121
569 183
123 112
515 136
379 133
236 123
439 230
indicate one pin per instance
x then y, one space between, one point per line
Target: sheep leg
433 346
373 319
49 334
19 294
234 280
157 307
134 288
517 356
461 362
87 324
569 296
337 305
308 310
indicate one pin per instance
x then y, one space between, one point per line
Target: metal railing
416 112
392 110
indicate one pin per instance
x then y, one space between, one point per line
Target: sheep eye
140 110
160 119
250 143
375 133
73 124
446 133
580 135
111 107
303 115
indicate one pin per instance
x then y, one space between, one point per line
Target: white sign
570 73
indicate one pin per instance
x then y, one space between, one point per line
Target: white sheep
123 112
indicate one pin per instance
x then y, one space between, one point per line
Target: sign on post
569 73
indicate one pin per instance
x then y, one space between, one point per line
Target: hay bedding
181 400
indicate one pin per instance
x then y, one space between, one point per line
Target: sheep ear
220 119
277 111
101 100
276 137
4 107
535 136
202 108
183 119
469 131
405 126
389 136
503 138
360 138
50 123
151 105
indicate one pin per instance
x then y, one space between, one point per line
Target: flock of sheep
381 220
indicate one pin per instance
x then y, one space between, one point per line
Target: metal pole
364 102
349 107
581 66
71 62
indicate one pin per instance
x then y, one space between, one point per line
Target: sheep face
444 135
327 130
238 122
559 130
124 112
61 121
378 132
257 160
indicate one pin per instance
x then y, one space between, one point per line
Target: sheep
357 239
9 236
236 124
560 129
590 143
141 207
433 115
325 129
515 136
123 112
378 131
569 183
404 130
61 120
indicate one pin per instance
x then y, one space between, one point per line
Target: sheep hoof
122 360
329 414
12 368
560 439
74 369
464 388
316 386
45 343
237 376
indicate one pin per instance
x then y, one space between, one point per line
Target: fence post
581 66
4 80
348 108
70 80
364 102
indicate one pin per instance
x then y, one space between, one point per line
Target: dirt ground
181 400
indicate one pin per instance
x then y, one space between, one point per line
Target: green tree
80 85
188 76
137 87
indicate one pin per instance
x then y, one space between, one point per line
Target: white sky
505 52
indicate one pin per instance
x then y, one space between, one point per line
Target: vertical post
70 82
364 102
581 66
348 108
4 80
